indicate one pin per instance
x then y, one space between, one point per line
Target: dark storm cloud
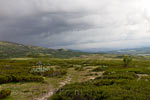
78 24
39 26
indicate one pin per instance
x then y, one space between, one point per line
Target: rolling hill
10 49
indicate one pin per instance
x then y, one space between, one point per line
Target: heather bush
105 89
19 78
126 61
4 94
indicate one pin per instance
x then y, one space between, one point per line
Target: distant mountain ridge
11 49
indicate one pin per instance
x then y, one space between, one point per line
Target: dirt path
99 74
67 81
141 75
52 91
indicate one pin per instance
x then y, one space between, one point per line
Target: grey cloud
43 25
75 24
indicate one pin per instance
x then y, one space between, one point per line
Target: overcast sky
76 24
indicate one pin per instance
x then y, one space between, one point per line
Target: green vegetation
90 79
126 61
20 78
28 78
4 94
105 89
116 83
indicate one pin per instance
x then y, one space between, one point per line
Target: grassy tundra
89 79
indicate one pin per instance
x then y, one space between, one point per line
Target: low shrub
123 70
53 73
4 94
123 75
78 67
79 92
5 79
105 89
109 82
27 78
20 78
147 78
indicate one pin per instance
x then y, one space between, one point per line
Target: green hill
9 50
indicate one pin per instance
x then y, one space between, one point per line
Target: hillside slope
9 49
